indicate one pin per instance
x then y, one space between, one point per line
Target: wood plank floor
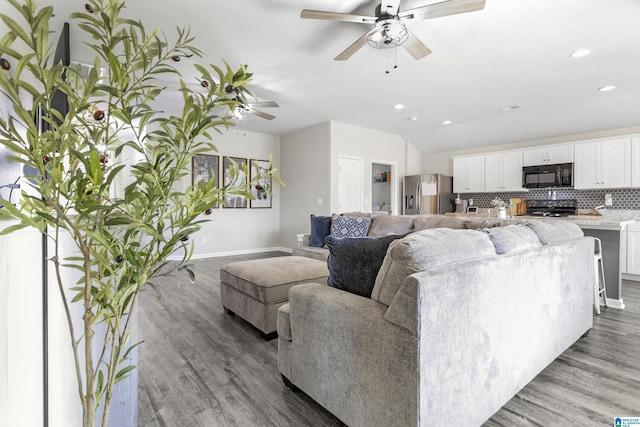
201 367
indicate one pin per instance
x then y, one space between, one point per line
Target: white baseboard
232 253
612 303
632 277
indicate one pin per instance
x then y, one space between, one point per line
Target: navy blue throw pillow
354 262
320 228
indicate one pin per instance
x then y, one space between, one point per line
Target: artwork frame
261 197
205 167
234 201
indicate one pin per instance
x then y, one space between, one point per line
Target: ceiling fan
244 109
388 29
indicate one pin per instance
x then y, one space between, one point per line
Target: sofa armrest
342 346
403 310
304 239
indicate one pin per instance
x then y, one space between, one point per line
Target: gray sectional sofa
458 322
388 224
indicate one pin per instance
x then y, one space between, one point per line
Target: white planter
502 212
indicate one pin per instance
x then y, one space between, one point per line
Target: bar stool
599 287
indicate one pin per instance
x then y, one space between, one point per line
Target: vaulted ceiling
512 53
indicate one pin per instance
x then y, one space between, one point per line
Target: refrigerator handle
418 198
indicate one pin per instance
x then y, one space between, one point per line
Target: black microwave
560 175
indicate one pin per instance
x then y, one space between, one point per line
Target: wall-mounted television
62 54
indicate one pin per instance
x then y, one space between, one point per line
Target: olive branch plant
120 242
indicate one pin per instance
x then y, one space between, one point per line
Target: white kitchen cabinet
548 155
603 164
503 171
468 174
635 161
633 249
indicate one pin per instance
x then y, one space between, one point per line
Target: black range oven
560 175
552 207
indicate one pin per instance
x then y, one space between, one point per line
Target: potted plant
501 205
120 241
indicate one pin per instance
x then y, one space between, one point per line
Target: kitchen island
610 229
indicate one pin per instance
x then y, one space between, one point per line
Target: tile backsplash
623 198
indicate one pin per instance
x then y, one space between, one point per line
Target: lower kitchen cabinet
633 249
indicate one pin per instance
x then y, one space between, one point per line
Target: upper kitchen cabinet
503 171
468 174
635 161
603 164
547 155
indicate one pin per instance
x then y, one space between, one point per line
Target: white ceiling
514 52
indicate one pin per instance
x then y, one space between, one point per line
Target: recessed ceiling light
606 88
580 53
413 118
398 106
512 107
447 122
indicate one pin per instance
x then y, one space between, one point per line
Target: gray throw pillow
555 231
354 262
513 238
348 226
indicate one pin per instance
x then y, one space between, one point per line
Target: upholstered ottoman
255 289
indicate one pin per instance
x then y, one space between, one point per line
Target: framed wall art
260 189
205 168
234 200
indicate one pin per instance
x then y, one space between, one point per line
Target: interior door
350 184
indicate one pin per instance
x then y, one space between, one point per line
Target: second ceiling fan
388 29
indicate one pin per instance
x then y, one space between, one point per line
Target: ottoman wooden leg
270 336
288 384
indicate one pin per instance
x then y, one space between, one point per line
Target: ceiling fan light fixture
580 53
387 33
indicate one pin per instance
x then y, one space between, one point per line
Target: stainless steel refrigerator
427 194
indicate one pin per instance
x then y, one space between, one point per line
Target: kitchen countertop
592 222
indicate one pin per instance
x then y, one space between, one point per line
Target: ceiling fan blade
444 8
335 16
415 47
390 7
261 114
356 46
263 104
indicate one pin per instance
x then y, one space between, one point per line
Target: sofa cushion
438 221
310 252
480 224
357 214
349 226
555 231
383 225
320 228
424 250
354 262
513 238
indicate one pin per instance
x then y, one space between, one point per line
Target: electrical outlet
204 240
319 200
608 199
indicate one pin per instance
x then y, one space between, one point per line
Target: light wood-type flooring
201 367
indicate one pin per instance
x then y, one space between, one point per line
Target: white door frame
393 184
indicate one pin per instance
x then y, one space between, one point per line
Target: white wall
442 163
413 160
21 395
305 170
370 145
232 231
309 161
